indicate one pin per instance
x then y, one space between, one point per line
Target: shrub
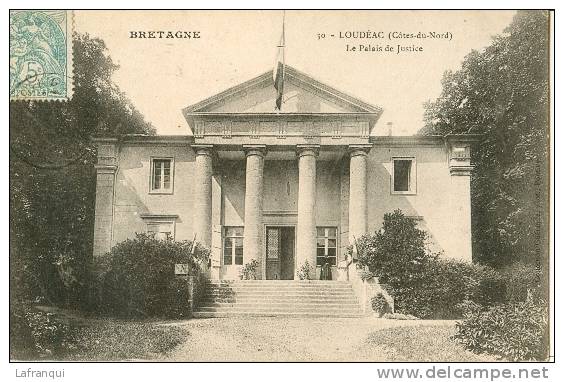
421 283
523 281
380 304
306 271
136 279
396 253
517 332
249 270
35 334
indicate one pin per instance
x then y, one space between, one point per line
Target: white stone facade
281 188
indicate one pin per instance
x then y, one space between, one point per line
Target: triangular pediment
302 94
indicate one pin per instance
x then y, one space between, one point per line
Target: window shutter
216 245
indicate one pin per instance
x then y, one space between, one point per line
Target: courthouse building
282 187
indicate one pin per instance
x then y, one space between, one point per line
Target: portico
282 189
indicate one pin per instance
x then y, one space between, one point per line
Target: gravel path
285 339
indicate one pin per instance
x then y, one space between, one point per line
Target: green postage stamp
41 55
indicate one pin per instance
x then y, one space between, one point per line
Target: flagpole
283 54
279 71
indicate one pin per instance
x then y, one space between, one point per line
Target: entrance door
280 253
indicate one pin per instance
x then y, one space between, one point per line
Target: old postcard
280 186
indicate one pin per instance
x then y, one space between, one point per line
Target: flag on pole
279 68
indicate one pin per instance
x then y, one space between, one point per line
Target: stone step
278 298
311 314
276 282
279 310
279 290
272 286
263 299
281 305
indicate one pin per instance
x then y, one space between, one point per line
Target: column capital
361 149
202 149
259 150
307 150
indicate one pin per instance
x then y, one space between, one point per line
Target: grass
109 340
68 335
422 344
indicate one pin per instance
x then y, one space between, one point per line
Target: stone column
203 194
306 229
104 215
106 169
252 240
358 214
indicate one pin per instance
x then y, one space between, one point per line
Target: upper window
326 245
404 176
162 175
233 246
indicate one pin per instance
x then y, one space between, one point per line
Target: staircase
290 298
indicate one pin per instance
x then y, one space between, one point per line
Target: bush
380 304
523 281
136 279
516 332
396 254
35 334
306 271
421 283
249 270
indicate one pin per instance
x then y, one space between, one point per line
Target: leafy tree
502 93
52 177
396 252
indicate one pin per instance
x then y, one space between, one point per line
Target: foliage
249 270
516 332
52 177
38 335
136 278
396 252
523 281
502 93
306 271
365 274
421 283
380 304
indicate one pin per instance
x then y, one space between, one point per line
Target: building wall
441 204
132 197
437 204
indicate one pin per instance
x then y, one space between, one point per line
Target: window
326 245
161 230
403 176
162 170
233 246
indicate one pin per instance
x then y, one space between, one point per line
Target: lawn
111 340
422 343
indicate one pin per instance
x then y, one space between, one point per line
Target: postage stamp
41 66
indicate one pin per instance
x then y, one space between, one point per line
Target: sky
162 76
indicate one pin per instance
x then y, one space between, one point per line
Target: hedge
136 278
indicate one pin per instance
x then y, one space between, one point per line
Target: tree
52 177
502 93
